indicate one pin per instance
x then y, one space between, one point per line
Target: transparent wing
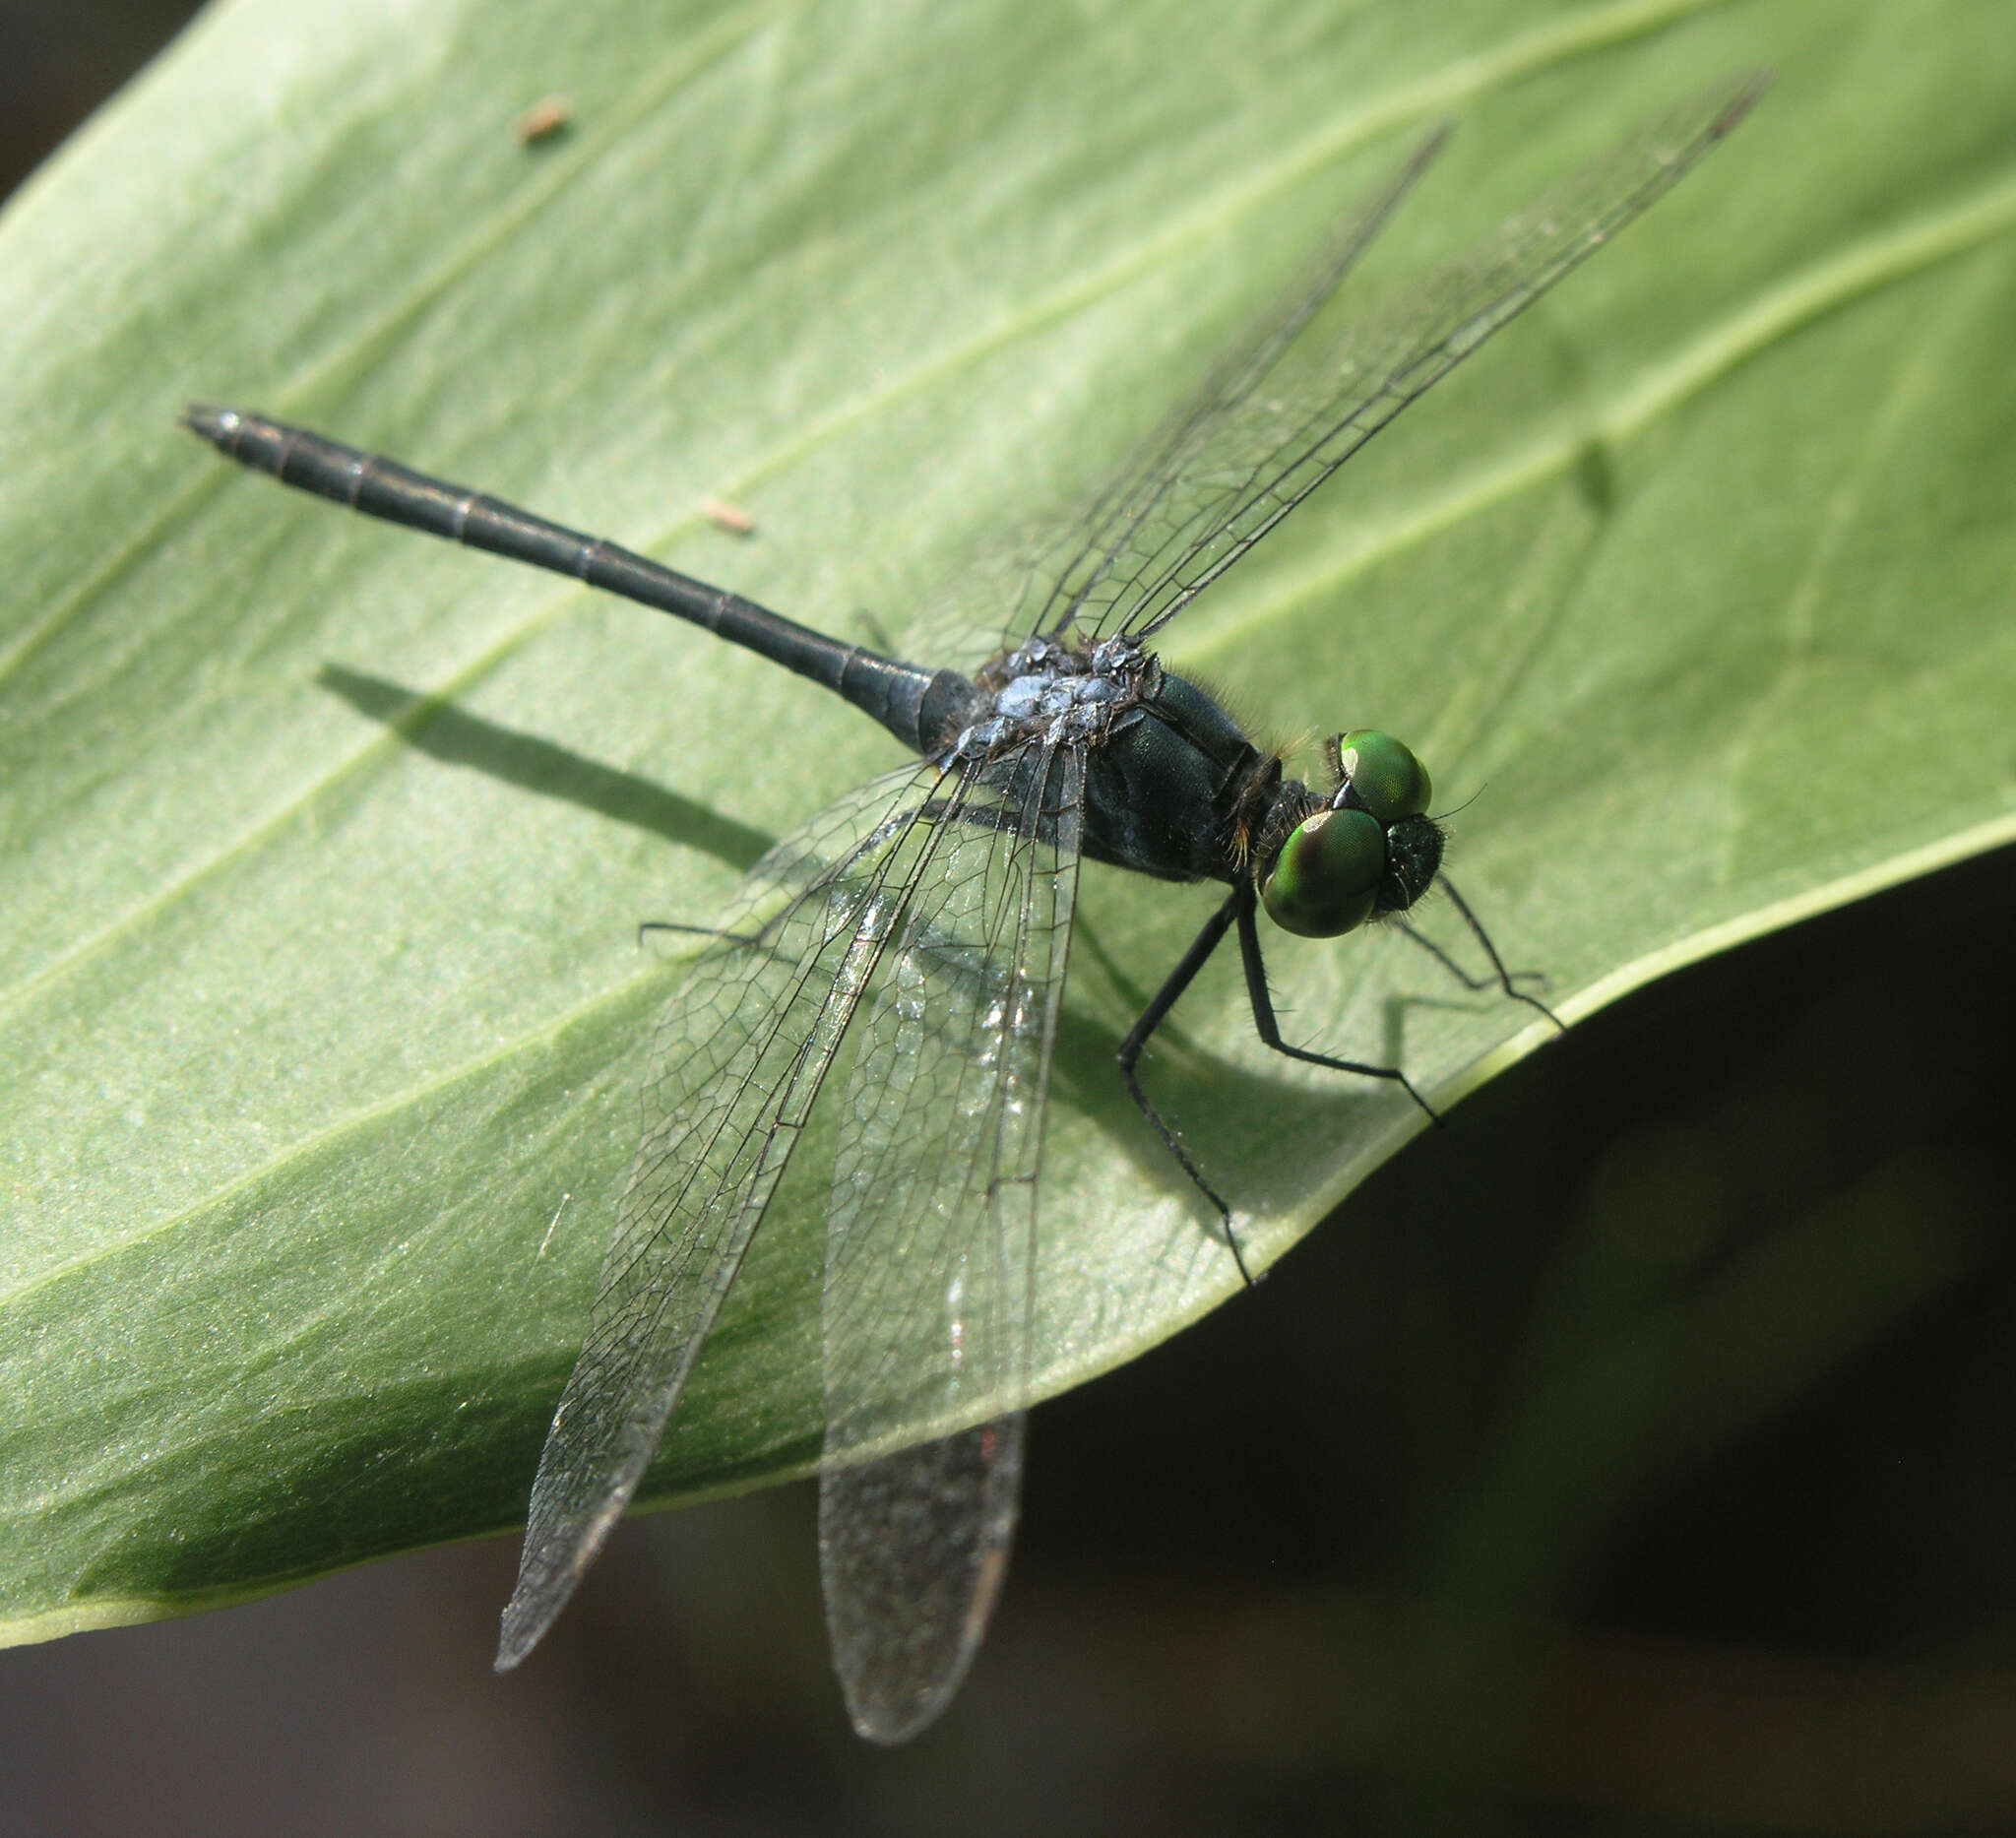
931 1244
1003 596
737 1064
1262 453
1282 413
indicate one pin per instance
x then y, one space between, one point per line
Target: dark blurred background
58 62
1632 1457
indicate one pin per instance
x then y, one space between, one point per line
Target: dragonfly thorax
1056 695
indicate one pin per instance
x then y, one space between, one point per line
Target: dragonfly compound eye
1326 879
1382 775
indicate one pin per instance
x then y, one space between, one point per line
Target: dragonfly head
1369 851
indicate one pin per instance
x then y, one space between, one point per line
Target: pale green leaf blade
326 844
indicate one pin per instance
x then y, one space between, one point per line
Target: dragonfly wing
1200 502
931 1244
1094 561
1046 572
914 1550
736 1067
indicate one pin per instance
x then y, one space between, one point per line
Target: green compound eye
1384 774
1327 875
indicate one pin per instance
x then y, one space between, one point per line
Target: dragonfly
910 940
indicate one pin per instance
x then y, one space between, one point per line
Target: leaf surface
326 846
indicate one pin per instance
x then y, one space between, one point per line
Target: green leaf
326 844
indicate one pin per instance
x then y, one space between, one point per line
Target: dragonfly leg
1449 964
749 941
1151 1017
708 931
1505 980
1270 1030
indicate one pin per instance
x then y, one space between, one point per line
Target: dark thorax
1172 786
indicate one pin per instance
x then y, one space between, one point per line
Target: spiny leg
692 931
1507 981
954 810
1270 1030
1151 1017
957 809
